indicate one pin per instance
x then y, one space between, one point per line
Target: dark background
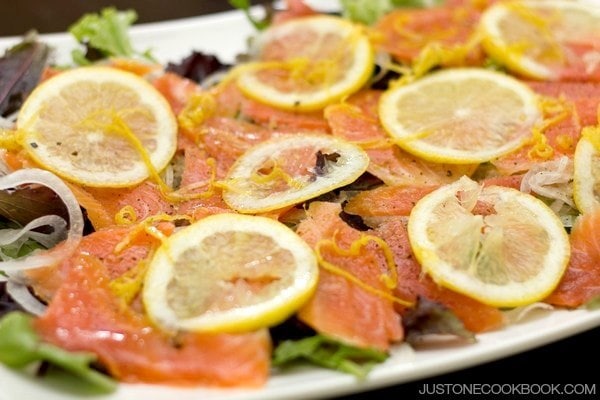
561 362
19 16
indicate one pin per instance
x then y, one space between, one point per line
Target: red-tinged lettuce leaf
197 66
431 318
30 202
20 70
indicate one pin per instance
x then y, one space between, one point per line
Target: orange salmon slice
405 32
340 308
581 281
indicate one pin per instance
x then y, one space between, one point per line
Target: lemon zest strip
126 216
389 280
592 134
558 109
11 140
146 226
129 284
198 108
120 127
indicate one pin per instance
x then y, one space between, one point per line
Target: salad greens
20 70
20 347
104 35
593 304
244 6
30 202
369 11
432 318
18 248
329 353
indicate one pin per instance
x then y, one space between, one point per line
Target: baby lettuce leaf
104 35
593 304
369 11
244 6
20 70
329 353
20 346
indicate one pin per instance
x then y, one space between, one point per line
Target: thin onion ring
21 294
53 256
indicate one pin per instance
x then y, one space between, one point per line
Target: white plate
225 34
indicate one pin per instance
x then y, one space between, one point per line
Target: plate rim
324 383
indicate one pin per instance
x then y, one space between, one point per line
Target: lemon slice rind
352 162
512 55
512 294
584 181
355 77
243 318
415 143
42 145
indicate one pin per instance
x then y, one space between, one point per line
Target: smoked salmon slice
581 281
405 32
340 308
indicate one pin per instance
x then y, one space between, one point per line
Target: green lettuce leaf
20 346
244 6
593 304
369 11
105 34
328 353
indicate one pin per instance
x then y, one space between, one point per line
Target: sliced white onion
53 256
168 176
4 169
213 79
551 179
8 122
520 314
21 294
58 225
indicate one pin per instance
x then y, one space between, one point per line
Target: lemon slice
309 62
543 39
586 172
291 169
98 126
229 273
514 255
460 116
